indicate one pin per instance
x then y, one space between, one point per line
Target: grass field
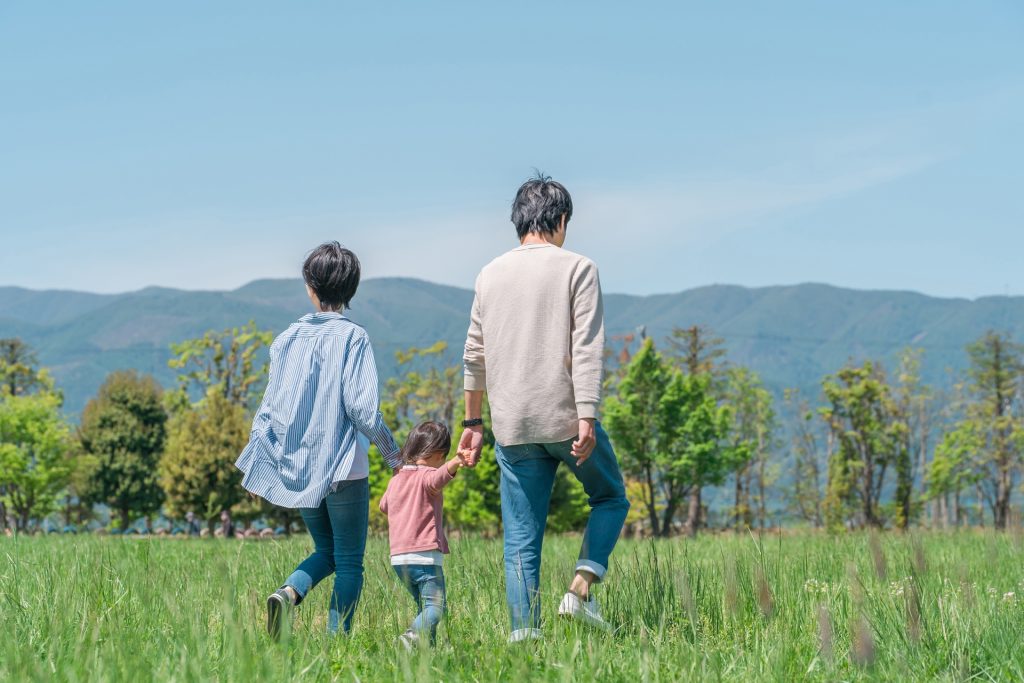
931 607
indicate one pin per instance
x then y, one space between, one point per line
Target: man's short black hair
539 206
332 272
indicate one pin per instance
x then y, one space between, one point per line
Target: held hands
470 444
584 444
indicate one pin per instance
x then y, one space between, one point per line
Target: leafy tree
432 392
633 423
473 501
810 459
670 433
123 429
695 430
34 445
952 468
19 374
870 437
203 441
913 404
696 352
752 432
992 434
226 360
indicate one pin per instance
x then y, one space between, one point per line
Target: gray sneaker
587 612
279 609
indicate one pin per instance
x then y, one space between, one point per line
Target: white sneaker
519 635
409 640
586 612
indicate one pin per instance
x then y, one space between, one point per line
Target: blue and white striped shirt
320 407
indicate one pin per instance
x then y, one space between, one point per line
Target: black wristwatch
475 422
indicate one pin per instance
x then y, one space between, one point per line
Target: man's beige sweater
536 343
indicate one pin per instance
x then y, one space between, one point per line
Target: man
536 345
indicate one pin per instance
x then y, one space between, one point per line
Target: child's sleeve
384 501
438 479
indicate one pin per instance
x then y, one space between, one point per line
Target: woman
309 441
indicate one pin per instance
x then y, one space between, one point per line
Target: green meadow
731 607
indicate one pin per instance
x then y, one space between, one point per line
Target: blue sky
874 145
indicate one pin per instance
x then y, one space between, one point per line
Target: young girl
413 503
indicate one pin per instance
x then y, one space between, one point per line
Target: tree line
874 449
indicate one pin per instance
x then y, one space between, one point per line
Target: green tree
952 467
696 453
203 441
913 401
870 438
19 374
123 429
633 424
226 360
992 420
752 432
695 351
810 459
34 463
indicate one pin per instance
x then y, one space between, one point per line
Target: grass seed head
877 556
863 651
825 634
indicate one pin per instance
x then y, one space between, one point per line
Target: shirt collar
322 316
533 245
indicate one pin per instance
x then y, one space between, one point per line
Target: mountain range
791 335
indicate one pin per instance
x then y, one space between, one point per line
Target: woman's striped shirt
320 408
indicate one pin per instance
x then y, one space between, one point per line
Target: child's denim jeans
426 585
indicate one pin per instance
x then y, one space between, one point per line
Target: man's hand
470 444
584 444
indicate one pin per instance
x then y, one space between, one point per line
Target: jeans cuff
301 583
525 634
592 567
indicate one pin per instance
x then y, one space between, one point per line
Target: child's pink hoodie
413 503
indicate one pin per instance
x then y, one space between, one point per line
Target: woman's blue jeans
338 527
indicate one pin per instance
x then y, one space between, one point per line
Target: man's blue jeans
527 477
426 585
338 527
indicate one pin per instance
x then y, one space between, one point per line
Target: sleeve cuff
475 382
586 411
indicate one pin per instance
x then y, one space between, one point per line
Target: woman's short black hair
332 272
424 439
539 206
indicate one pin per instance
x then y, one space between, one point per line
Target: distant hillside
791 335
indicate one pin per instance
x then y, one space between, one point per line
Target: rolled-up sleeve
362 399
474 368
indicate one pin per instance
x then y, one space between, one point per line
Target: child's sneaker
410 640
522 634
586 612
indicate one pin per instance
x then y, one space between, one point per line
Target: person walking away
536 345
414 504
310 437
